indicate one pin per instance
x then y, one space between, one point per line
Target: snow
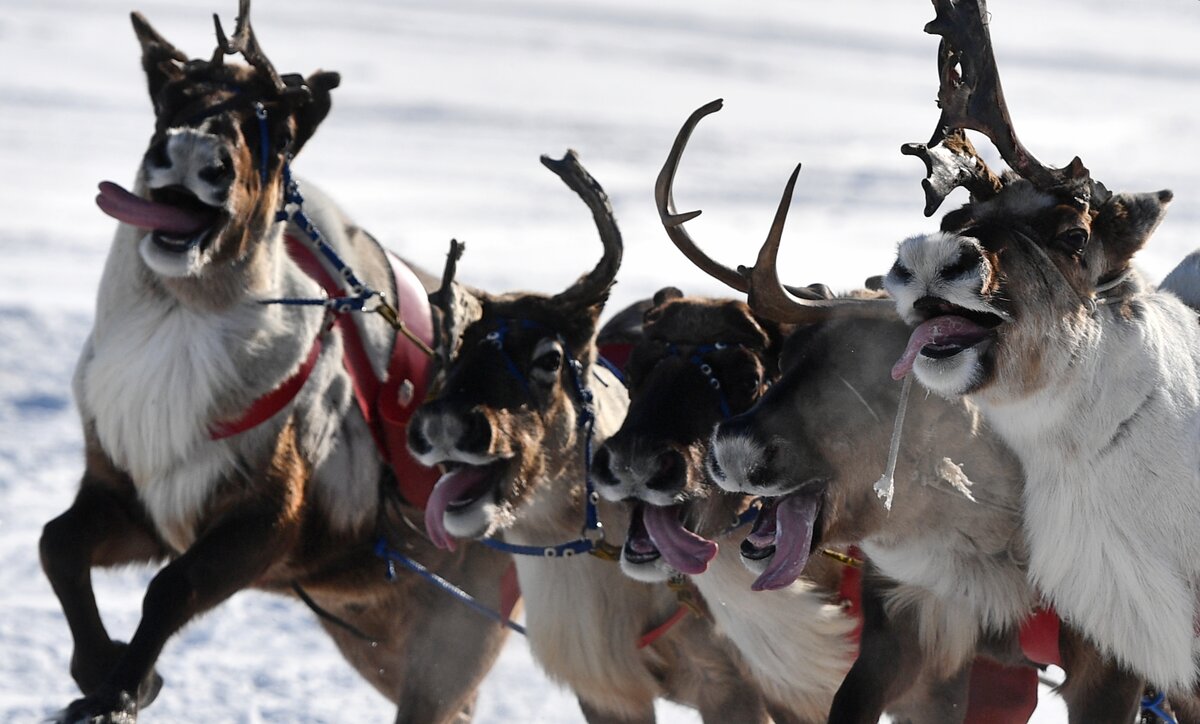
435 133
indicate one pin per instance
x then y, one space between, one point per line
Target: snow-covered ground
435 132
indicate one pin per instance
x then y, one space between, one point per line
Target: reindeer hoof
100 708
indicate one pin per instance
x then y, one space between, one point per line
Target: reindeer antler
673 222
766 295
592 287
971 98
951 163
245 42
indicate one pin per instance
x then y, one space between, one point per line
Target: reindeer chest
584 618
149 384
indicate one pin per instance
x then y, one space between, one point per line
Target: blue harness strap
392 556
1153 706
697 359
592 540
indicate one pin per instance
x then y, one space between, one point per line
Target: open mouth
638 548
685 551
782 538
176 218
949 331
461 494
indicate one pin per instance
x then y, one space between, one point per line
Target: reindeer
1026 305
944 580
506 425
222 435
698 361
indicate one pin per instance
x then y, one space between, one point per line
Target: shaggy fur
181 341
952 538
1099 395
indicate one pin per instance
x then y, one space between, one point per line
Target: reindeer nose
671 473
476 435
602 467
157 155
418 443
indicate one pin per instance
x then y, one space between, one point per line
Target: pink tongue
935 331
450 487
142 213
794 518
684 550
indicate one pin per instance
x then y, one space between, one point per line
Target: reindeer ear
1126 221
310 115
161 60
665 294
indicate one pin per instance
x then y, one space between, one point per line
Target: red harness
387 404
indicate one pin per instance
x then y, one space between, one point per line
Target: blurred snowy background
435 132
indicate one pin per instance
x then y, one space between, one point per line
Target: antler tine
443 298
974 99
593 287
673 222
245 42
952 163
768 297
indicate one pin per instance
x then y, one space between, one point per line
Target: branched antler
766 295
971 97
673 222
245 42
951 163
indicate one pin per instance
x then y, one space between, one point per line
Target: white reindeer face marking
655 571
742 464
939 283
1000 299
192 170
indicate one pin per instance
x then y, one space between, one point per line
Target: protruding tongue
449 488
795 518
143 213
939 330
684 550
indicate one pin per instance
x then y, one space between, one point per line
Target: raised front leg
232 552
105 526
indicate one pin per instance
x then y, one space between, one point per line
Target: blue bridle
696 358
592 540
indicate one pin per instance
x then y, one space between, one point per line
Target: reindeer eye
550 361
900 273
1073 240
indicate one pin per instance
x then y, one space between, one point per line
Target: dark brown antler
766 294
674 222
971 98
444 300
768 297
591 288
245 42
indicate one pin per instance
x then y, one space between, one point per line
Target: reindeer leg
104 526
229 556
1097 689
593 715
888 663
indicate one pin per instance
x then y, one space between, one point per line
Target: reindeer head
678 395
503 418
1001 292
770 303
698 361
211 180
